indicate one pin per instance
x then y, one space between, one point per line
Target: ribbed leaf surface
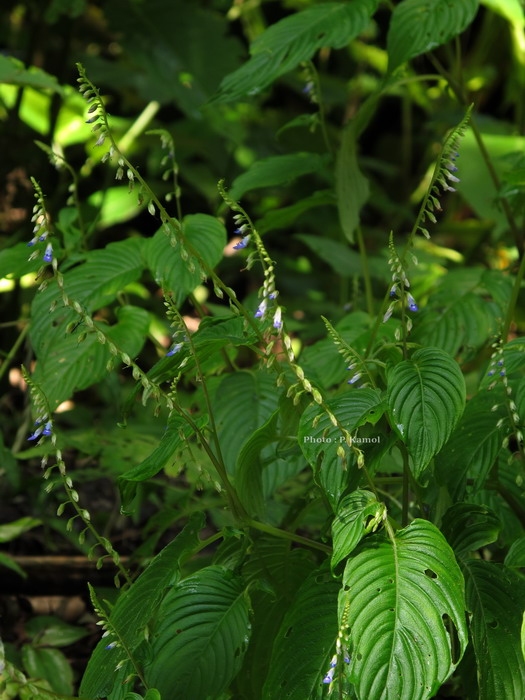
474 444
134 609
496 599
201 636
294 39
419 26
426 397
401 598
305 643
66 366
206 234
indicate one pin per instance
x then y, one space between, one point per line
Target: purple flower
411 302
277 322
242 244
48 253
329 676
48 429
355 378
174 350
261 309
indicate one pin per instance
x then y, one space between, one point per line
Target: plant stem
366 271
284 534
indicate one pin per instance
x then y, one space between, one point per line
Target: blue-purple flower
43 428
242 244
411 303
48 253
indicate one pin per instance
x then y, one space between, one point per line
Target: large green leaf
418 26
319 439
92 284
474 444
277 170
357 514
135 607
426 397
403 603
13 72
200 637
65 365
205 234
244 401
305 642
350 184
174 438
468 527
496 599
294 39
51 665
274 571
457 321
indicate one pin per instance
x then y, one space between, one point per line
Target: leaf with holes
418 26
496 599
403 602
426 397
200 636
293 39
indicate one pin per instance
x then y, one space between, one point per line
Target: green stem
18 342
284 534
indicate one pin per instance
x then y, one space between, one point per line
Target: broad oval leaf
351 185
305 642
418 26
403 603
357 514
200 637
496 599
286 43
426 397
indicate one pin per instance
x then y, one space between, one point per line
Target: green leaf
319 443
403 603
178 431
277 170
14 262
515 558
418 26
9 563
13 72
284 217
205 234
244 401
468 527
51 665
200 637
115 204
458 319
305 642
65 365
426 397
358 514
249 466
512 10
293 39
496 599
474 445
12 530
47 630
135 607
351 185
